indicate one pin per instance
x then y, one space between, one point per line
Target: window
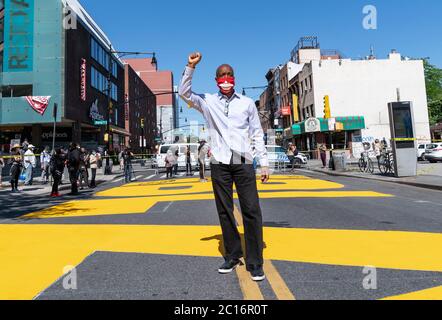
102 56
99 82
16 91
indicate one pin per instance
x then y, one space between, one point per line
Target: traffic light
327 111
142 123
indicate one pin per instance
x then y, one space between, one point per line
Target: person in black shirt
127 157
56 167
73 167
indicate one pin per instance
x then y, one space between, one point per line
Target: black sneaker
229 266
257 273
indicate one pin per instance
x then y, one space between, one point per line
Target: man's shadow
220 240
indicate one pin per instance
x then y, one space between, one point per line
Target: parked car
421 151
182 148
434 153
278 154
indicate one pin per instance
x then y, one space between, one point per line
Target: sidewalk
38 188
433 182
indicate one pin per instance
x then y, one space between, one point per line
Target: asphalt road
159 240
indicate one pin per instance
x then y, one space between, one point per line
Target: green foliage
433 80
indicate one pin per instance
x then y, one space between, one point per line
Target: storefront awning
348 123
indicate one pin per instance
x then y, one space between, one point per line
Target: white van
182 148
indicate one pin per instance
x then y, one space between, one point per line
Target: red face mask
226 84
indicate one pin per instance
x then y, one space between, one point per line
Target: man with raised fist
236 138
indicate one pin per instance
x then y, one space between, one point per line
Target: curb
408 183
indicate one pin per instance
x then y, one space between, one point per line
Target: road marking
277 184
238 216
423 295
277 283
250 289
150 177
167 207
118 180
38 254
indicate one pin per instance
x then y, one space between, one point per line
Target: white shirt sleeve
256 134
194 100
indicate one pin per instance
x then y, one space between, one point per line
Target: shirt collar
222 96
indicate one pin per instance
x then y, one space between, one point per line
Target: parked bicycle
365 163
386 163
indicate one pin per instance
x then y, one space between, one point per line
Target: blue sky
254 36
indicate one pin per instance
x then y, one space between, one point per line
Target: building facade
161 83
358 92
140 113
45 60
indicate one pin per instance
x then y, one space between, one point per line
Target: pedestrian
93 163
2 165
290 154
323 153
170 163
127 157
16 167
377 147
175 167
235 126
188 162
30 162
84 162
202 153
45 159
56 166
73 164
121 160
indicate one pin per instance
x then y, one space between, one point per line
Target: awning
349 124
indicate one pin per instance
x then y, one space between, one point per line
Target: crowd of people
172 158
81 165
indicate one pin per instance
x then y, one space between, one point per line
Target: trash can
339 161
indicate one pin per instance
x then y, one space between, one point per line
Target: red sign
83 80
286 111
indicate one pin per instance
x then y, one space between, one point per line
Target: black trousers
94 174
57 180
73 177
244 177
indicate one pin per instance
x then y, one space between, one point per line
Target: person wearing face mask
235 129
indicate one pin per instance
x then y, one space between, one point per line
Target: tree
433 81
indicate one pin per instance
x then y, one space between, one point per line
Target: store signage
95 113
83 94
18 35
286 111
312 125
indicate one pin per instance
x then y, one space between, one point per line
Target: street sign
100 122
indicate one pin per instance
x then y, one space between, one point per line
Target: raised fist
194 59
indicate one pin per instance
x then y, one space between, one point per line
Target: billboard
18 36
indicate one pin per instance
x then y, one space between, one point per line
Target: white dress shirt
233 124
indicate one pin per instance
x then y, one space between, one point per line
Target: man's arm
256 134
185 89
